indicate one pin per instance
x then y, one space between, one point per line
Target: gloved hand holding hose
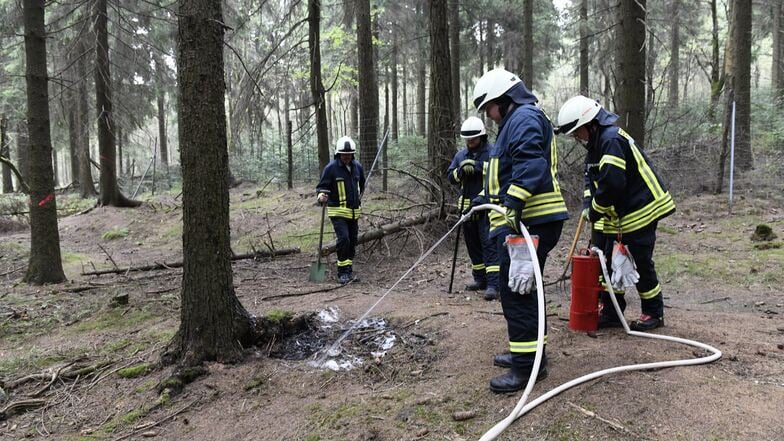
521 265
624 271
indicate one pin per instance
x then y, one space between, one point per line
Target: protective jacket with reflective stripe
522 173
626 191
470 185
345 188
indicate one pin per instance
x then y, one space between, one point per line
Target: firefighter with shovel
467 171
340 188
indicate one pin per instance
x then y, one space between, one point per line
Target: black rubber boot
646 323
503 360
477 285
607 321
491 293
514 380
344 278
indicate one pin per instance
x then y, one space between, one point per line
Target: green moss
313 437
115 233
279 315
135 371
666 229
344 411
133 416
147 385
173 232
254 383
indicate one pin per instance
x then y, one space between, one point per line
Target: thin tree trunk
162 137
631 87
23 152
110 192
406 125
395 126
717 78
777 67
421 78
528 43
289 155
384 158
742 83
675 44
584 41
213 323
5 151
491 49
454 43
87 186
368 88
441 139
45 265
72 101
316 86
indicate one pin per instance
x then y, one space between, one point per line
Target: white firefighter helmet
345 145
472 127
492 85
576 112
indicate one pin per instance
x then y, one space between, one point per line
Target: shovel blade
317 272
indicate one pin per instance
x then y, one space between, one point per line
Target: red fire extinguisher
584 308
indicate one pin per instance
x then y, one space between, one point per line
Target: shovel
318 269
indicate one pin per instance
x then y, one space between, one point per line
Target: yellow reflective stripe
612 160
645 215
484 168
587 193
496 220
600 208
345 262
554 163
598 225
544 198
454 175
463 202
344 212
543 209
342 193
518 192
492 179
651 293
524 346
493 268
478 266
647 174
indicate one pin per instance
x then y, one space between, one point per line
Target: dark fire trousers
641 244
481 250
521 311
346 232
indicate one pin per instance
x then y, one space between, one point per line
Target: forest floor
719 289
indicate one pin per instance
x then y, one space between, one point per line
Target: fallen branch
612 424
171 265
155 423
418 321
21 404
297 294
714 300
387 229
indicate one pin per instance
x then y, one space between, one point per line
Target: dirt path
718 288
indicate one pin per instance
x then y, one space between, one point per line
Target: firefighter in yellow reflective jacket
627 200
341 187
522 177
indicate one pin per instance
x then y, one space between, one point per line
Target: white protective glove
521 265
624 271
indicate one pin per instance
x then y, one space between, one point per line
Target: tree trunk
404 93
454 55
87 186
45 265
777 67
163 139
742 83
584 62
72 101
717 78
289 155
630 90
395 126
441 132
316 86
384 158
213 322
5 151
368 89
421 78
490 41
110 192
528 44
675 44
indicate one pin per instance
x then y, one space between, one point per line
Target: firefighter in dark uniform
341 187
522 178
627 200
467 170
